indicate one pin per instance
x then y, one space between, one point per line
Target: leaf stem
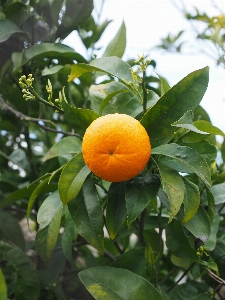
184 274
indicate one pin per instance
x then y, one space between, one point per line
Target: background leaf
118 44
3 287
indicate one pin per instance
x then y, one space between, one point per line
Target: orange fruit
116 147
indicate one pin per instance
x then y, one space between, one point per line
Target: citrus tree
117 174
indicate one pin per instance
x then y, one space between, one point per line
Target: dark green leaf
117 284
87 215
139 192
27 285
10 230
118 44
191 290
191 200
132 260
72 178
178 243
184 159
184 96
211 204
174 187
116 208
66 145
78 118
7 28
199 225
108 98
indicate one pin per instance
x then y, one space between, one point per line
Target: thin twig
24 117
168 276
118 247
184 274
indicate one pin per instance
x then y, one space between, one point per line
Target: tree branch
21 116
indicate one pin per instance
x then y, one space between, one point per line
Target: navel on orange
116 147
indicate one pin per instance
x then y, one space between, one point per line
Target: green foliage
89 238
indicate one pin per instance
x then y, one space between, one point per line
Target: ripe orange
116 147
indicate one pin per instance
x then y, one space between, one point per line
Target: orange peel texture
116 147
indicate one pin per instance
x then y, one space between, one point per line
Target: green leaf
178 243
8 28
190 290
186 121
113 66
139 192
78 118
45 50
27 284
174 187
199 225
184 159
208 127
108 98
66 145
116 208
10 230
211 204
184 96
49 219
132 260
211 243
3 287
87 215
117 284
207 151
35 194
218 192
126 103
165 87
191 200
72 178
118 44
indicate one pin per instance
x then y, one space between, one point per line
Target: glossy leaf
184 159
191 200
113 66
49 219
184 96
78 118
178 243
139 192
174 187
118 44
66 145
3 287
199 225
207 150
116 208
72 178
87 215
10 230
186 121
208 127
117 284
